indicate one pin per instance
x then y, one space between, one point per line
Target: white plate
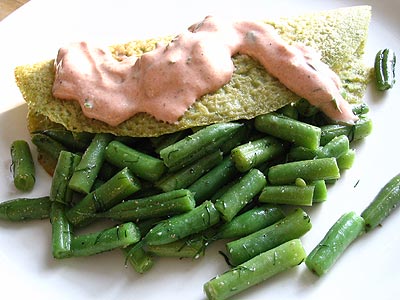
369 269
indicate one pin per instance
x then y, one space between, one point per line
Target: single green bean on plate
23 209
342 233
23 167
387 199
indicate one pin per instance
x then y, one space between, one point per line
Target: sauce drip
165 82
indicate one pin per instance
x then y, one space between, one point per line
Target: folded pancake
339 35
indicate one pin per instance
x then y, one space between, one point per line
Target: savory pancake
339 35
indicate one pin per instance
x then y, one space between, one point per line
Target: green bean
89 167
360 108
254 153
141 260
160 205
22 166
178 227
287 194
383 204
238 195
61 197
21 209
241 135
346 160
255 270
166 140
342 233
61 228
207 185
320 191
300 182
60 191
142 165
336 147
108 239
118 188
297 153
74 141
385 63
309 170
189 174
249 222
293 226
361 129
190 247
191 148
145 225
294 131
47 145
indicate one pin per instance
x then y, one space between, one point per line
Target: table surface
8 6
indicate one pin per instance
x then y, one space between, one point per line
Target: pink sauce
165 82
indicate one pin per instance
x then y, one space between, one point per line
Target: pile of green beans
244 183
